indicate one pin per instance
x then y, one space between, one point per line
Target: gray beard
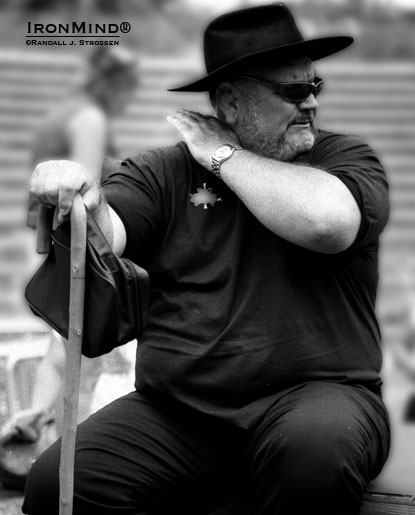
284 148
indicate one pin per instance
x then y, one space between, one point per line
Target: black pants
314 451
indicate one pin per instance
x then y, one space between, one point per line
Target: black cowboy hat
255 36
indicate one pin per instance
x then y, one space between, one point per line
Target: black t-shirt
237 314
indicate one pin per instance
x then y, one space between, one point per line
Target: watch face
223 152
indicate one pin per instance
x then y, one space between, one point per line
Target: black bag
116 292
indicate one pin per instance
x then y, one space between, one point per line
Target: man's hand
57 182
203 134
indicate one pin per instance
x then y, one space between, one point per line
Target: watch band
215 165
216 162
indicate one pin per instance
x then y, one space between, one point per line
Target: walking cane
74 347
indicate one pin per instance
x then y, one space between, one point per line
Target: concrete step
141 115
375 503
349 97
178 70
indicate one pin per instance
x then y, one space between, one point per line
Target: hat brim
313 48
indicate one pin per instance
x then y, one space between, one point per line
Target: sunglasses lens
292 92
299 92
296 92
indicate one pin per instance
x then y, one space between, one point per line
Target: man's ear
226 103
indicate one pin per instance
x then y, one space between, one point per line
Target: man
259 367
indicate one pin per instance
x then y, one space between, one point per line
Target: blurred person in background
77 129
259 366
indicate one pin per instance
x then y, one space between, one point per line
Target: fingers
177 124
57 182
91 196
69 185
202 134
192 115
193 125
186 118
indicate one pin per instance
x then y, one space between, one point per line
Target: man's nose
309 104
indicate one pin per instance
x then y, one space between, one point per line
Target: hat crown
262 35
248 31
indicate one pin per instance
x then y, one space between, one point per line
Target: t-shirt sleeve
138 191
356 165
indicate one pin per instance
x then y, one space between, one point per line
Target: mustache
303 119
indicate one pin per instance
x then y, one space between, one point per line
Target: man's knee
315 453
308 470
93 493
322 464
314 456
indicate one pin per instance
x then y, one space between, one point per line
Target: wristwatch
221 154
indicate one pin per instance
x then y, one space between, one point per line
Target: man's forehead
294 69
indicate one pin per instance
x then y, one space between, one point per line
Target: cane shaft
73 360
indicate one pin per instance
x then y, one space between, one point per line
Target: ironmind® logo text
75 30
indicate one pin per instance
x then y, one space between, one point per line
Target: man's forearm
304 205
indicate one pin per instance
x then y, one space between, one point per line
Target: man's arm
304 205
57 182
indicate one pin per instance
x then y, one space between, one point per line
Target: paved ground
10 503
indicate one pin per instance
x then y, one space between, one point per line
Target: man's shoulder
327 141
332 147
163 168
162 156
157 163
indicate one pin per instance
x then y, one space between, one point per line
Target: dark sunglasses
294 92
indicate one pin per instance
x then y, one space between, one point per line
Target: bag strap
44 228
100 243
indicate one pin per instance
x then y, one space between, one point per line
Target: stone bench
375 503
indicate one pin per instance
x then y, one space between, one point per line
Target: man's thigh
139 455
317 448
